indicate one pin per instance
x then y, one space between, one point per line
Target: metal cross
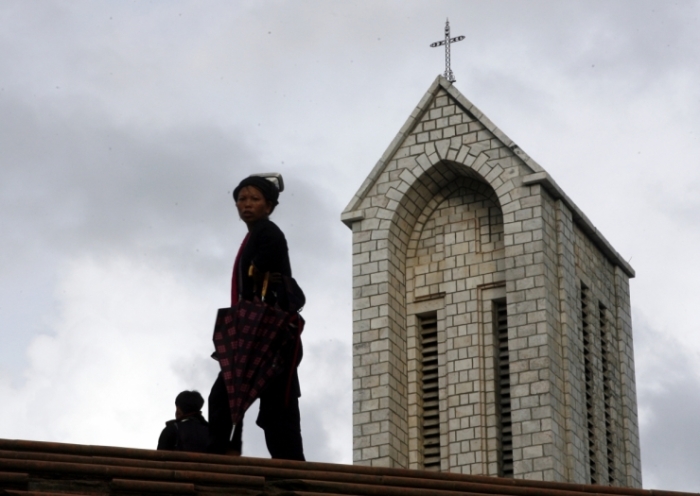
448 71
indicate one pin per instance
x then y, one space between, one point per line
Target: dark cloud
668 385
669 438
75 182
82 182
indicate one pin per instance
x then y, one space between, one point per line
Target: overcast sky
124 127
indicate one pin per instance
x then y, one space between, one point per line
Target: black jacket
267 250
188 434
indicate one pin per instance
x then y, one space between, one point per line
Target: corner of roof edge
488 124
414 116
439 83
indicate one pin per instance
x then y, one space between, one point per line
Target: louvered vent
431 408
588 371
607 390
503 388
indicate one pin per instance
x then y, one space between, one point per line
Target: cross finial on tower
448 71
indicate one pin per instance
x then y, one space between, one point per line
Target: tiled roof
38 468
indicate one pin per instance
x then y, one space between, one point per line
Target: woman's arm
270 250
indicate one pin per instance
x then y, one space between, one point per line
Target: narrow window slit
430 390
587 336
503 388
607 390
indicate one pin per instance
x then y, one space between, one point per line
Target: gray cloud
668 386
124 127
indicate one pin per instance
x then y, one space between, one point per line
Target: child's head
188 403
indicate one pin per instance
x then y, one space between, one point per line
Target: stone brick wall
455 251
453 218
609 294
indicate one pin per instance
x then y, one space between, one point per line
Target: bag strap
178 442
266 280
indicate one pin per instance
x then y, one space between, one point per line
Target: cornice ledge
546 181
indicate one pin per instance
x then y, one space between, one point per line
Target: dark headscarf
267 188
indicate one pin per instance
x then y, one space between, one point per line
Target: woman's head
256 198
252 205
268 189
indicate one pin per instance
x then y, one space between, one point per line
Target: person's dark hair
266 187
189 402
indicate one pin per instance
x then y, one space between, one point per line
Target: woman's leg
220 424
280 419
283 438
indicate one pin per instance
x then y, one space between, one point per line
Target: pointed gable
461 134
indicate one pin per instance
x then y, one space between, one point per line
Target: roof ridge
145 471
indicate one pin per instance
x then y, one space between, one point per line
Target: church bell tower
491 320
